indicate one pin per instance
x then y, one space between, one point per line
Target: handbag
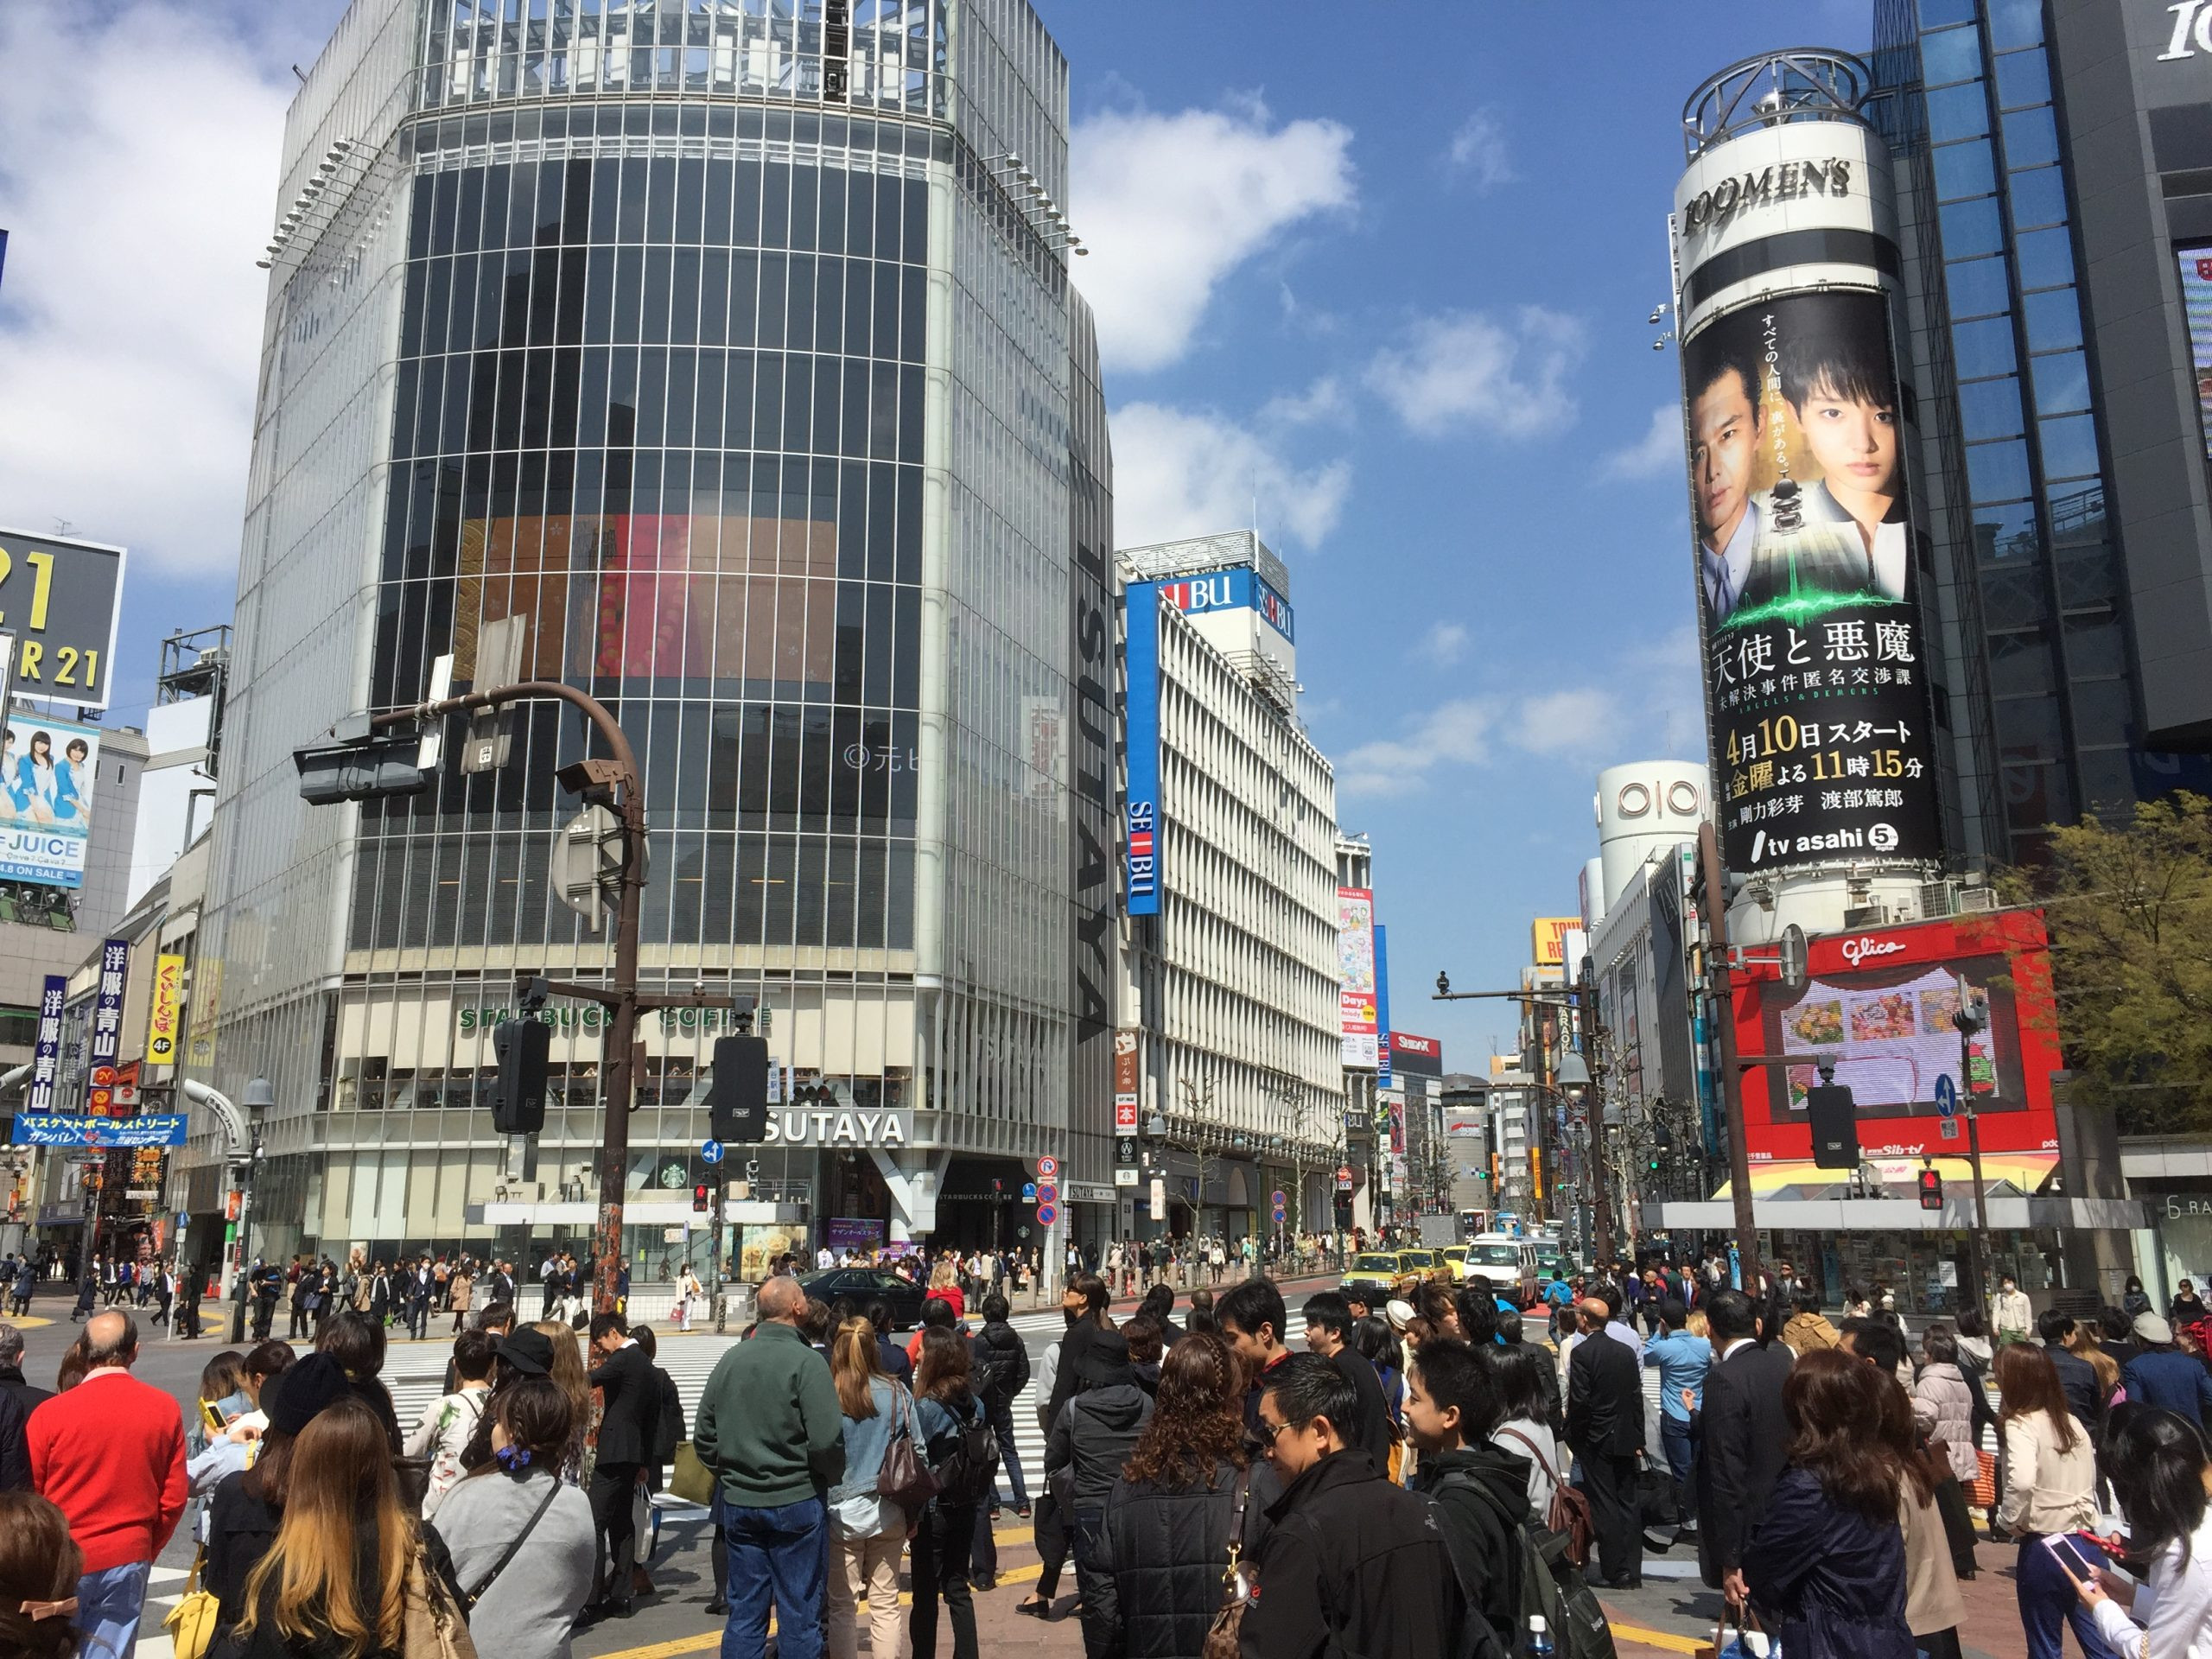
691 1480
644 1525
1748 1642
432 1625
904 1478
1222 1635
191 1623
1569 1513
1985 1484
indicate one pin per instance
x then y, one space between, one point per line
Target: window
1983 348
2054 319
2027 728
1991 409
1970 228
2023 77
2095 646
1977 287
2104 712
18 1027
2069 446
2030 138
1997 471
2046 258
2038 198
2061 382
1960 111
2107 779
1953 54
1934 14
1966 169
2005 530
2020 665
2016 23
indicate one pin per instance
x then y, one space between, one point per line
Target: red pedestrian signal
702 1199
1931 1189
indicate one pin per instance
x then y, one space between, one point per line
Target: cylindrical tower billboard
1644 807
1809 562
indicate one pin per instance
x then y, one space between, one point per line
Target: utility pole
1973 1015
1721 997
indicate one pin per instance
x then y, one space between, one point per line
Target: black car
862 1286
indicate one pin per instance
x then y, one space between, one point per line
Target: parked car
862 1286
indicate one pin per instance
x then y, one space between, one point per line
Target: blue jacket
1683 1360
866 1438
2170 1380
1827 1582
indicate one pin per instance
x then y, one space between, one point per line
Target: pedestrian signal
1931 1189
702 1199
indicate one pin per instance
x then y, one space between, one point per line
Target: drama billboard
1881 1006
1358 1017
47 769
59 598
1815 661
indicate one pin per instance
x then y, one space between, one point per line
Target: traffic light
702 1199
737 1099
1931 1189
523 1048
1834 1123
359 765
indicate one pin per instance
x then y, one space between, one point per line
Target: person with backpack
998 1370
954 1432
1481 1492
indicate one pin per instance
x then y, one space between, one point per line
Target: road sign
1948 1129
1125 1149
1947 1095
711 1151
1047 1167
1029 1191
1278 1215
1047 1215
1047 1194
1125 1177
1277 1200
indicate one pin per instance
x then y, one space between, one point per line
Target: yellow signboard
1548 939
168 1005
207 1008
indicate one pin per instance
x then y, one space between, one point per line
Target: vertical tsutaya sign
165 1003
46 1058
1141 720
107 1029
1807 575
1359 1019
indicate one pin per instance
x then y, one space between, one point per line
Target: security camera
1443 984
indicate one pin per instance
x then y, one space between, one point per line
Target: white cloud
1582 722
1478 151
1653 455
1444 643
138 156
1464 367
1576 720
1180 472
1324 400
1169 205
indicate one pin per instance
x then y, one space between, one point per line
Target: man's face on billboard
1855 443
1724 432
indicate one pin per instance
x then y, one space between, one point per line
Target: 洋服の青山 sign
840 1127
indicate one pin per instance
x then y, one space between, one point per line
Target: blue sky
1392 266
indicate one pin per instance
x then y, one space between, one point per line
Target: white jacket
2177 1604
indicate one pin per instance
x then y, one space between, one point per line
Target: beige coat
2047 1489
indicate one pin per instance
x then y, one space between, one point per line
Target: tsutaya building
735 351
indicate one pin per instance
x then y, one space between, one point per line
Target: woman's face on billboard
1854 443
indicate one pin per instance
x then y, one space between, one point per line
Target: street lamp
258 1098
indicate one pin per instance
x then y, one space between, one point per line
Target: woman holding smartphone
2049 1503
2155 1462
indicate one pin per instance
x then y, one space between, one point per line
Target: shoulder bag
432 1625
1222 1635
1569 1514
905 1477
470 1598
191 1623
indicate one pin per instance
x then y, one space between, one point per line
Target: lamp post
258 1098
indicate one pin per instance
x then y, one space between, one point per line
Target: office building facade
735 353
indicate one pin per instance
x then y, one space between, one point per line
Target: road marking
712 1639
1666 1639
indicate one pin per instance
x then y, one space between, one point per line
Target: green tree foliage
2130 913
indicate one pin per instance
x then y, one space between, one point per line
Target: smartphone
211 1414
2067 1551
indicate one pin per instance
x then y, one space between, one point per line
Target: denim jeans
108 1605
1675 1439
776 1556
2049 1604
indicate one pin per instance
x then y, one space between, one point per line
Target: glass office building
2058 409
731 347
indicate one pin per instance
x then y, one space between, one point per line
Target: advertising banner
166 1005
61 597
1548 939
2197 317
1237 589
1382 1078
1128 1089
1141 809
46 1057
1359 1019
107 1030
1881 1005
46 1129
1814 659
1417 1057
842 1233
47 768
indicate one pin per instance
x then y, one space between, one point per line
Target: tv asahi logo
2192 31
1789 181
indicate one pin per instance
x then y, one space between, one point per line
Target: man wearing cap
771 1429
110 1454
1605 1425
2160 1375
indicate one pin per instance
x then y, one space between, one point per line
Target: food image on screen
2196 309
1939 1012
1816 1022
1877 1018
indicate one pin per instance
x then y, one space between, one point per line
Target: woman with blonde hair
2086 1343
567 1370
867 1530
944 1285
347 1556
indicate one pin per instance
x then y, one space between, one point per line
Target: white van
1507 1262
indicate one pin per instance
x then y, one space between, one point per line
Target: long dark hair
1829 1399
39 1561
2155 1461
2029 1382
1521 1390
1198 1423
943 1374
1900 1437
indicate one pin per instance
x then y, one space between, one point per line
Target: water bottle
1539 1645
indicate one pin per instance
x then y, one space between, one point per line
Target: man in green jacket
770 1427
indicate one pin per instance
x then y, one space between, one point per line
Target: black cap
1105 1361
294 1397
528 1350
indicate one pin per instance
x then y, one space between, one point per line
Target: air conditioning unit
1976 901
1938 899
1865 916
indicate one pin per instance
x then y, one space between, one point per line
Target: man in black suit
625 1438
1743 1436
1605 1425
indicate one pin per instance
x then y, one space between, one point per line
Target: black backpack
969 1471
1553 1586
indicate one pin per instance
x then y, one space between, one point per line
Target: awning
2020 1174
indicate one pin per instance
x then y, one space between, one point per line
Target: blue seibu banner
1140 725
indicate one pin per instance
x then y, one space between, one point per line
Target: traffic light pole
1977 1253
1721 998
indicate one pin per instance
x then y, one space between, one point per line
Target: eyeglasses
1268 1431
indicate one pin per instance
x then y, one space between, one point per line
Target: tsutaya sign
835 1127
